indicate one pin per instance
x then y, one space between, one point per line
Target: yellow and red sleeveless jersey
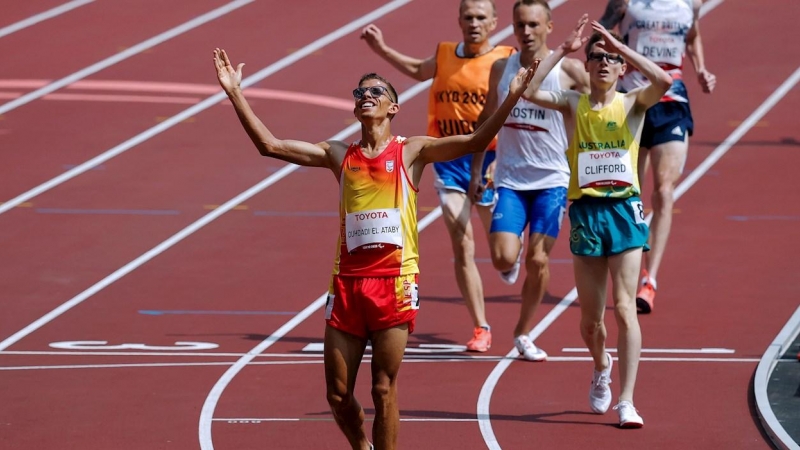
459 90
378 212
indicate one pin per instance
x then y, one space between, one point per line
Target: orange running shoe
645 299
481 340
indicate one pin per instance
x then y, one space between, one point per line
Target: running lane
86 35
49 135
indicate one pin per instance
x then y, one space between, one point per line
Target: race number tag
605 168
638 212
661 48
373 229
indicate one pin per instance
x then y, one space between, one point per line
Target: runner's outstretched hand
228 77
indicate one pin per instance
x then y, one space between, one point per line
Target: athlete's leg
591 274
342 357
388 347
624 269
485 214
668 160
456 211
537 277
505 247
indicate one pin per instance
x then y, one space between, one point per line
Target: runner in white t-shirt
532 173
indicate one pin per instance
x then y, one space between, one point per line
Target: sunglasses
374 91
610 59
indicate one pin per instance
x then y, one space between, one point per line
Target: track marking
126 212
367 360
202 106
121 56
157 312
103 345
207 413
713 351
166 88
42 16
782 342
422 348
256 421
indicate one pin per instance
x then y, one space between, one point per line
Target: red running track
726 281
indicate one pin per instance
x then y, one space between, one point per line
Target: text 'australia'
608 145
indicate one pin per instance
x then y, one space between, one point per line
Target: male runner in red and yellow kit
373 292
460 84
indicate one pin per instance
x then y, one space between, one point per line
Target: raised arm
297 152
476 185
660 81
694 49
559 100
615 11
452 147
418 69
495 74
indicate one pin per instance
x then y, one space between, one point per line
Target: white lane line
155 353
713 351
367 359
207 413
42 16
123 55
202 106
257 420
216 213
772 425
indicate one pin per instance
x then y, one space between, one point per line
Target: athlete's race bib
605 168
661 48
373 229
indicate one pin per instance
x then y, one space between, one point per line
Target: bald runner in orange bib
460 84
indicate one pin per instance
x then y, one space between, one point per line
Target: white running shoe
600 392
628 415
528 350
510 276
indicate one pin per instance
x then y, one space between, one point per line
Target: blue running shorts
455 176
544 209
666 122
607 226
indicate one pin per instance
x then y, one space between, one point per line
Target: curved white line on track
491 381
42 16
202 106
123 55
207 413
770 422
